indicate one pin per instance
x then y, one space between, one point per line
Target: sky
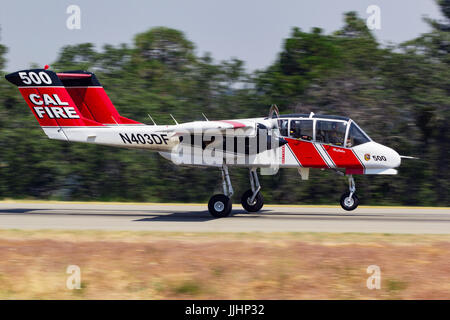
250 30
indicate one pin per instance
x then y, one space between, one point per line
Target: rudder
91 98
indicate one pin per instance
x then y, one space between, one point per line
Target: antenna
204 116
154 123
176 122
115 120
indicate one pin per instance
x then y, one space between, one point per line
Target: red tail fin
90 97
49 100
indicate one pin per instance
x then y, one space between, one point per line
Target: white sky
251 30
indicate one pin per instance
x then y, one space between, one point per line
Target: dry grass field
153 265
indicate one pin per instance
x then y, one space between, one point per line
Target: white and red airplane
73 106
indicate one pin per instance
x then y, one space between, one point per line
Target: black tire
219 206
349 204
256 205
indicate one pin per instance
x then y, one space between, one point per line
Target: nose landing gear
349 200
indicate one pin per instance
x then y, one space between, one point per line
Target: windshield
356 136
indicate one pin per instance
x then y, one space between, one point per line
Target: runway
195 218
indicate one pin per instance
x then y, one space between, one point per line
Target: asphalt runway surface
195 218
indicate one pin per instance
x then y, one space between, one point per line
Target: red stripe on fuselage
306 153
343 158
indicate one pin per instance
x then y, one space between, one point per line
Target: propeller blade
274 111
274 114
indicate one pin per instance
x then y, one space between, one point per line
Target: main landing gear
349 200
220 204
252 200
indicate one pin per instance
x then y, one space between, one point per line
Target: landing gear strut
220 204
349 200
252 200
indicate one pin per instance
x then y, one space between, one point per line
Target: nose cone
394 159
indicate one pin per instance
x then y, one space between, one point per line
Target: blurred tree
305 57
3 51
78 57
166 46
429 94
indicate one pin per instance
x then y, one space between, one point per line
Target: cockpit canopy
333 130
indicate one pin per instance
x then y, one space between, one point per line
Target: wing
233 127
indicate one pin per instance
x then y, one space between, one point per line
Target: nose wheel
349 200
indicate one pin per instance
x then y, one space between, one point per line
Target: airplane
73 106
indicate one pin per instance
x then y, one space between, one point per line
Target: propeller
274 114
273 111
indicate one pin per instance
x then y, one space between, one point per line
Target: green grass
187 287
393 285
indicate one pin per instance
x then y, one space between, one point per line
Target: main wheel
348 203
254 206
219 206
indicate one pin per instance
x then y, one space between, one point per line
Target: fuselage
311 141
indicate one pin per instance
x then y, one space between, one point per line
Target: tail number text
137 138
